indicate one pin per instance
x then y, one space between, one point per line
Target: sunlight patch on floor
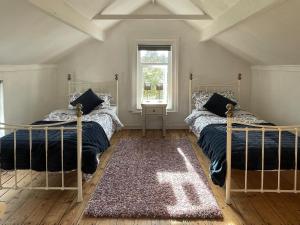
198 196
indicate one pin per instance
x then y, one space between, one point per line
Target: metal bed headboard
109 87
197 86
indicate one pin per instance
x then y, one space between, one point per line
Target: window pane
155 57
156 76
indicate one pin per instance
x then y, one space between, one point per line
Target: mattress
105 117
199 119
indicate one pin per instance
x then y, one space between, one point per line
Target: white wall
29 92
98 61
275 93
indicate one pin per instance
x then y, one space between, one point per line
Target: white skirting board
169 126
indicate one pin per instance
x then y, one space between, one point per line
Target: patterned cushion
72 98
106 97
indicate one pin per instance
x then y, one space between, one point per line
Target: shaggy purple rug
153 178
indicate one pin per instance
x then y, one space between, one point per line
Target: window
154 68
2 132
156 78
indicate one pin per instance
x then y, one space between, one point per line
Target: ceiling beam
201 6
107 6
238 13
150 17
63 12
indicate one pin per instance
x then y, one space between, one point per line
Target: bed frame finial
190 93
69 77
117 94
240 76
79 110
230 109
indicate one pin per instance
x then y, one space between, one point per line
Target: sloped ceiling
271 37
29 36
90 8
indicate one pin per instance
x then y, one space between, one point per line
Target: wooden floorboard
60 207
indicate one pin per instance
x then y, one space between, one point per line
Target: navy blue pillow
89 101
217 104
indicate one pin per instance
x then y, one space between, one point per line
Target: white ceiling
28 35
271 37
90 8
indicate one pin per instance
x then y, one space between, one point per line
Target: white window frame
2 132
137 82
140 79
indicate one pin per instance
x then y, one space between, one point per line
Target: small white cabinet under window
154 109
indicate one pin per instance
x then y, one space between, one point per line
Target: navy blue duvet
94 141
213 142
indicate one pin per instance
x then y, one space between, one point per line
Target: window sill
154 102
136 111
139 111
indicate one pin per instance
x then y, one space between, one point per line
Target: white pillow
201 97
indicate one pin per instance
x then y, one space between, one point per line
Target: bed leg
79 153
79 194
229 115
228 199
228 183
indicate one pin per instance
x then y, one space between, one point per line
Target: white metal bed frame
77 85
251 128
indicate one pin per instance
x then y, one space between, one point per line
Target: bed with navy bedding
213 143
211 131
97 128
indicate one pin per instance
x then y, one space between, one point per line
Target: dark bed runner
213 142
94 141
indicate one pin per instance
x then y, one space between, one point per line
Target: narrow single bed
211 132
236 139
67 139
97 128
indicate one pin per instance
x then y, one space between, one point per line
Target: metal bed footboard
262 129
58 127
